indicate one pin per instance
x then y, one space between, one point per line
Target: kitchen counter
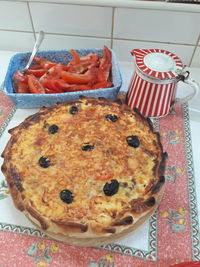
133 242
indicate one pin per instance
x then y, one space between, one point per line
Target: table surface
127 70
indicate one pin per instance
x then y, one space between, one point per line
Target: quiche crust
104 157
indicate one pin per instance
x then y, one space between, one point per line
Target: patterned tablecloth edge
194 223
7 120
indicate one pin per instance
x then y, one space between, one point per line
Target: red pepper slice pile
80 74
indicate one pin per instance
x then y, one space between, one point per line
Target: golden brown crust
99 240
138 170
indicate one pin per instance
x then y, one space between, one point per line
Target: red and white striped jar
153 86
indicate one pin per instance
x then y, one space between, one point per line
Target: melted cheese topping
85 173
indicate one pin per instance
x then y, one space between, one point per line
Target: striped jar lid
157 63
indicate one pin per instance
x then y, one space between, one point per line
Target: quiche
86 172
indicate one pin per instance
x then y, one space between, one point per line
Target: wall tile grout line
112 26
152 41
8 30
104 37
59 3
78 35
194 50
59 34
168 8
31 19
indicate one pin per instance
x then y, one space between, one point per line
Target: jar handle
194 86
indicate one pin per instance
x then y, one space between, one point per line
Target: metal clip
183 75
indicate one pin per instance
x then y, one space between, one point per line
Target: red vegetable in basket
23 88
75 78
35 87
80 74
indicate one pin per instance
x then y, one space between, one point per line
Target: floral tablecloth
170 236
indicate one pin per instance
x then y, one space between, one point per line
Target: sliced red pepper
44 63
86 62
36 72
59 85
79 68
23 88
75 78
107 54
50 84
93 74
35 86
106 58
105 65
53 73
18 76
50 91
104 72
76 56
102 85
75 88
35 67
47 65
37 60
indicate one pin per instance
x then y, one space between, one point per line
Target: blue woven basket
19 60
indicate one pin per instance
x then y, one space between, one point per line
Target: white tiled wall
72 19
156 25
16 40
53 41
122 49
87 25
14 16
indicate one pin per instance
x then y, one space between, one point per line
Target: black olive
53 129
150 202
111 188
111 117
87 147
66 196
133 141
44 162
73 110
